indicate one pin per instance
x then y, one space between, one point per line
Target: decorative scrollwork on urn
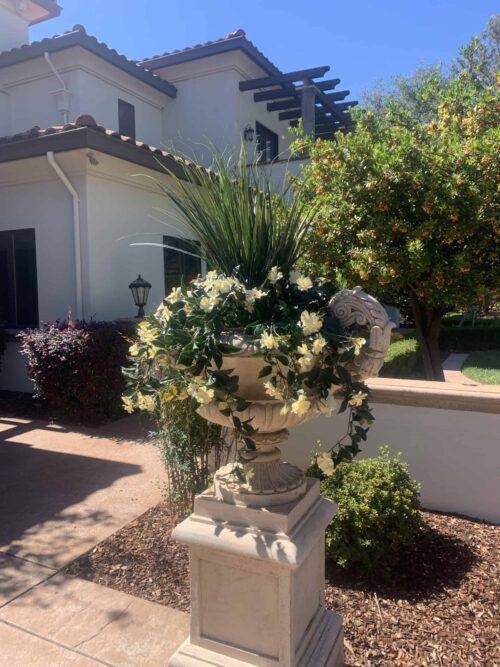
356 307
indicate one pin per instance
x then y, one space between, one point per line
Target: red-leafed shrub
77 368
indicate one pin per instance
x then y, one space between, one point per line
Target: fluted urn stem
268 480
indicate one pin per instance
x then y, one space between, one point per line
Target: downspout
76 232
64 89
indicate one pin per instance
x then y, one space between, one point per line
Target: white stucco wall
95 86
210 107
13 27
120 212
454 454
31 196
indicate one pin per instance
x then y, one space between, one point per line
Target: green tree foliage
409 201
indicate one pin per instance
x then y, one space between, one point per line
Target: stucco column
257 585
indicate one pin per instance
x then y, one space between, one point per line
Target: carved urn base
264 480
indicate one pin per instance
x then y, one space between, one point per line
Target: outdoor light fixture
140 291
248 133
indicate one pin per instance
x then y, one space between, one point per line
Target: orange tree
409 205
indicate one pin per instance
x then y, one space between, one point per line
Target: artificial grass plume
242 225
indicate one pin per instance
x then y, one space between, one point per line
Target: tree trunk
427 323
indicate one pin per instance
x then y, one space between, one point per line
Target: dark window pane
179 266
18 281
126 119
267 143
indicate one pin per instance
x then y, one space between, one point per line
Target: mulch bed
437 608
23 406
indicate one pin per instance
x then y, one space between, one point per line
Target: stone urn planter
256 541
269 480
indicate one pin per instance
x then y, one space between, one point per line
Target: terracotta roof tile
236 39
87 121
79 37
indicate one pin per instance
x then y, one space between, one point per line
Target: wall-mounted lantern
140 291
248 133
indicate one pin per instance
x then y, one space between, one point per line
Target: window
18 283
126 119
178 265
267 143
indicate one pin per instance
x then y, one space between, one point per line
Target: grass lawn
483 367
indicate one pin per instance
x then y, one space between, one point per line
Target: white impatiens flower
357 399
268 341
303 282
175 295
274 275
301 406
273 391
310 322
318 345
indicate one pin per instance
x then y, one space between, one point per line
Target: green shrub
77 368
468 338
377 517
190 448
403 359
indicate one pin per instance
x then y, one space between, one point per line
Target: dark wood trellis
299 96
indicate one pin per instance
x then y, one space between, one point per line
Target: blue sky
363 41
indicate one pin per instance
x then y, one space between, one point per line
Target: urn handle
356 307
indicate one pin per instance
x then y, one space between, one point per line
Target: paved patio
61 492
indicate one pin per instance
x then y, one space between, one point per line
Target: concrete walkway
452 366
61 492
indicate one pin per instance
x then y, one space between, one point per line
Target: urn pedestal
257 585
257 540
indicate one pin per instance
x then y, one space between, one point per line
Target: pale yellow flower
175 295
147 333
208 303
318 344
134 350
274 275
221 286
358 344
163 314
306 359
187 308
357 399
303 282
310 322
128 404
301 406
273 391
146 402
325 463
268 341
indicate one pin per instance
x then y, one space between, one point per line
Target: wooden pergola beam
297 113
279 79
275 94
340 95
327 84
292 103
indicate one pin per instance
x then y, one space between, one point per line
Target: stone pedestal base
257 585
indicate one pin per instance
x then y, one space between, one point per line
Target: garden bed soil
437 608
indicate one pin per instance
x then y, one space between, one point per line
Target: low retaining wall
449 435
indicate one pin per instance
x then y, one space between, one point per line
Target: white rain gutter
64 104
76 229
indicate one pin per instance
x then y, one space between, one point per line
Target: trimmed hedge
77 369
469 339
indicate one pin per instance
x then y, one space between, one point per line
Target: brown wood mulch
439 607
